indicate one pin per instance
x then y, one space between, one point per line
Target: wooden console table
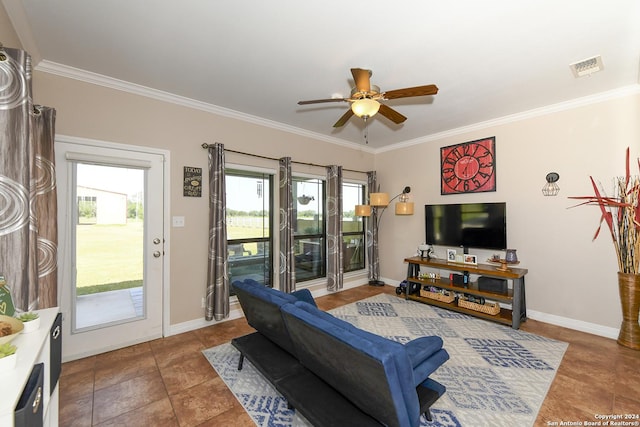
514 296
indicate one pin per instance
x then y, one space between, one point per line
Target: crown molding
124 86
121 85
537 112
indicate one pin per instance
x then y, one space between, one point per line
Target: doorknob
156 254
156 241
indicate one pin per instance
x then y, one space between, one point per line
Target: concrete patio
107 307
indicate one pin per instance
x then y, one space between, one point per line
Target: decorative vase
31 325
629 286
511 256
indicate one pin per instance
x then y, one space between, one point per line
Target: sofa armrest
420 349
422 370
304 295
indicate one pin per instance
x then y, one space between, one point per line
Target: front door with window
111 228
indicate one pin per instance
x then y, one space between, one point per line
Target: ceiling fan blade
320 101
411 91
391 114
344 119
362 78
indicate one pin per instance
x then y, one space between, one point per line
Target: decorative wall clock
469 167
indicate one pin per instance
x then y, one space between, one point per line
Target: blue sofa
333 373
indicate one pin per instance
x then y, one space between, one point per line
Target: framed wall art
469 167
192 182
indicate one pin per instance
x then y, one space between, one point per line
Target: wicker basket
492 308
437 296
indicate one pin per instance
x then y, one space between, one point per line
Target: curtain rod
205 145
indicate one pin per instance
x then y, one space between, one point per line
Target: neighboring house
111 207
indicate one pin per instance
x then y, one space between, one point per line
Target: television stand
514 296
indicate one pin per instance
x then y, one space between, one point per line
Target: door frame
166 285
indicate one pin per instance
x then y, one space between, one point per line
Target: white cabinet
34 348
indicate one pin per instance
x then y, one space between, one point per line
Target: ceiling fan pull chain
366 130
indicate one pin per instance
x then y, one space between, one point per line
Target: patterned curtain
335 268
287 256
372 231
28 209
217 296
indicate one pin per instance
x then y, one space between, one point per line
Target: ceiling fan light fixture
365 107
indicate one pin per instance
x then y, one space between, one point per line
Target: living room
571 280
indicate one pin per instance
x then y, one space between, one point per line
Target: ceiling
256 59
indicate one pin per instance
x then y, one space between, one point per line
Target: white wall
569 275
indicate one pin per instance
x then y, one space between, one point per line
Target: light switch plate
178 221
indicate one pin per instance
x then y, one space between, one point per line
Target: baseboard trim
319 290
235 311
578 325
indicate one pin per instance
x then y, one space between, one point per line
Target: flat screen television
467 225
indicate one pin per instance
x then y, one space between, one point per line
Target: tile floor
168 382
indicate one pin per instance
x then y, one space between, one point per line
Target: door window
109 244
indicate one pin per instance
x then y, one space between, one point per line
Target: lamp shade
404 208
379 199
365 107
363 210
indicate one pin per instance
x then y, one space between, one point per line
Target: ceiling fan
365 98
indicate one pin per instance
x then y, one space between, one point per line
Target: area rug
496 376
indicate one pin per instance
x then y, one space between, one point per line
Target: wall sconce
403 205
551 188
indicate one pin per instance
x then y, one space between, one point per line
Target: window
352 227
249 225
310 228
251 221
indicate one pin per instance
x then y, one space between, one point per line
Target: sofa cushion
261 307
425 353
372 372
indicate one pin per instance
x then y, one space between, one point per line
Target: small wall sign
192 184
6 303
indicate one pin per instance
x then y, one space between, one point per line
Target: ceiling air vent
587 66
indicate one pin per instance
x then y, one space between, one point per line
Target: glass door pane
109 245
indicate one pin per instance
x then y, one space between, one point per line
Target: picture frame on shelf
471 259
451 255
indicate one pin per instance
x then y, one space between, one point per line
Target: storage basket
437 295
492 308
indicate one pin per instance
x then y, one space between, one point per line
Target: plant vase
31 325
629 285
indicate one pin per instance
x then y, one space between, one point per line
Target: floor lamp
378 203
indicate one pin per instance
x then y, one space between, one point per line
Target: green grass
94 289
107 255
110 257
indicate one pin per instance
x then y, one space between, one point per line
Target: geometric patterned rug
496 376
